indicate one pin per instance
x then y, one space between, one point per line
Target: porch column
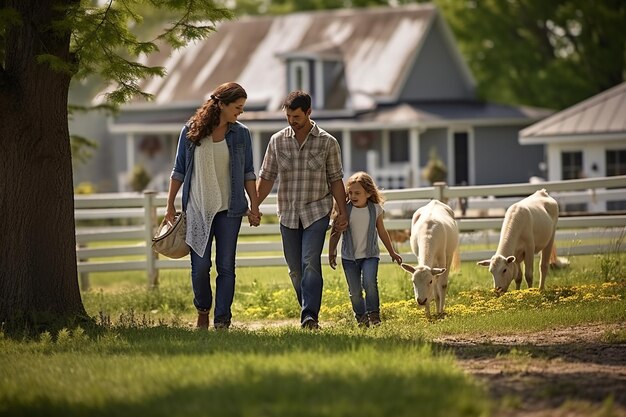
384 157
346 152
414 156
256 150
130 161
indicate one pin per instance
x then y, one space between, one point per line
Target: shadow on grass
165 340
596 353
279 394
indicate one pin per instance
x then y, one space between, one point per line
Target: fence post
440 189
84 276
150 218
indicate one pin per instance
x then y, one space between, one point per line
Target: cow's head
423 278
503 271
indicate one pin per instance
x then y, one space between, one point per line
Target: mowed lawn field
144 357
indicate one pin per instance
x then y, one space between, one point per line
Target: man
307 162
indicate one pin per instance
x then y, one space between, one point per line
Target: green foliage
82 148
8 17
435 170
139 178
104 42
549 54
85 188
611 264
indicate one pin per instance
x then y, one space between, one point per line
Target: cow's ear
408 268
438 271
486 262
510 259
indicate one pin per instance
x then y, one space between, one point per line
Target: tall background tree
43 46
543 53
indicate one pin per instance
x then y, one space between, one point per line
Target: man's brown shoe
203 320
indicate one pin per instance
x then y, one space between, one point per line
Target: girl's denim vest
372 250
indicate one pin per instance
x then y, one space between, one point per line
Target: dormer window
299 76
319 71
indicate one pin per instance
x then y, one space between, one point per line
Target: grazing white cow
434 240
529 227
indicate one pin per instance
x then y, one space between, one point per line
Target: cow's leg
545 263
518 275
528 266
443 290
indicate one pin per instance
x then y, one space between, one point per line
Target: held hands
341 222
254 216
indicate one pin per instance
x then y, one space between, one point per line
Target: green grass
144 359
164 371
588 286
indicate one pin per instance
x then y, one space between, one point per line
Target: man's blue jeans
225 230
303 252
362 274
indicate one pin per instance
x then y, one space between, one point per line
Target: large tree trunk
38 277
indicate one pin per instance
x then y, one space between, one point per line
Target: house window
571 169
616 165
398 146
571 165
299 76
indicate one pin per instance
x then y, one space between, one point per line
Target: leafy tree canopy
106 44
542 53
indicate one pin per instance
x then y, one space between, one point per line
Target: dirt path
571 366
562 372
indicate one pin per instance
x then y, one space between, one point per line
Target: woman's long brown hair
207 117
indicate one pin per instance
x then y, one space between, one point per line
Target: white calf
434 240
529 227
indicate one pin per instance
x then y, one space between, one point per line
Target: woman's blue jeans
362 274
303 253
225 230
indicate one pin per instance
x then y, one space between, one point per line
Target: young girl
359 250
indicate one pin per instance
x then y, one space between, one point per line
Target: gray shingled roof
377 45
600 117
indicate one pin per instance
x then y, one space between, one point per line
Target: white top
204 197
221 158
359 223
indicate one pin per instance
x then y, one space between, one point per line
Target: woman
214 166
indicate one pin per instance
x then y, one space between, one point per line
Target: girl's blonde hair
368 184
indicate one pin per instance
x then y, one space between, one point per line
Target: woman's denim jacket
241 166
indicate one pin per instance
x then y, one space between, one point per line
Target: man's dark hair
297 100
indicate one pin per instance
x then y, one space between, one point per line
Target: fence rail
145 209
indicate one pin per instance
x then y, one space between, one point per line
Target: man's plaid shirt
304 174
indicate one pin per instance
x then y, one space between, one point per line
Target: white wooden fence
144 210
